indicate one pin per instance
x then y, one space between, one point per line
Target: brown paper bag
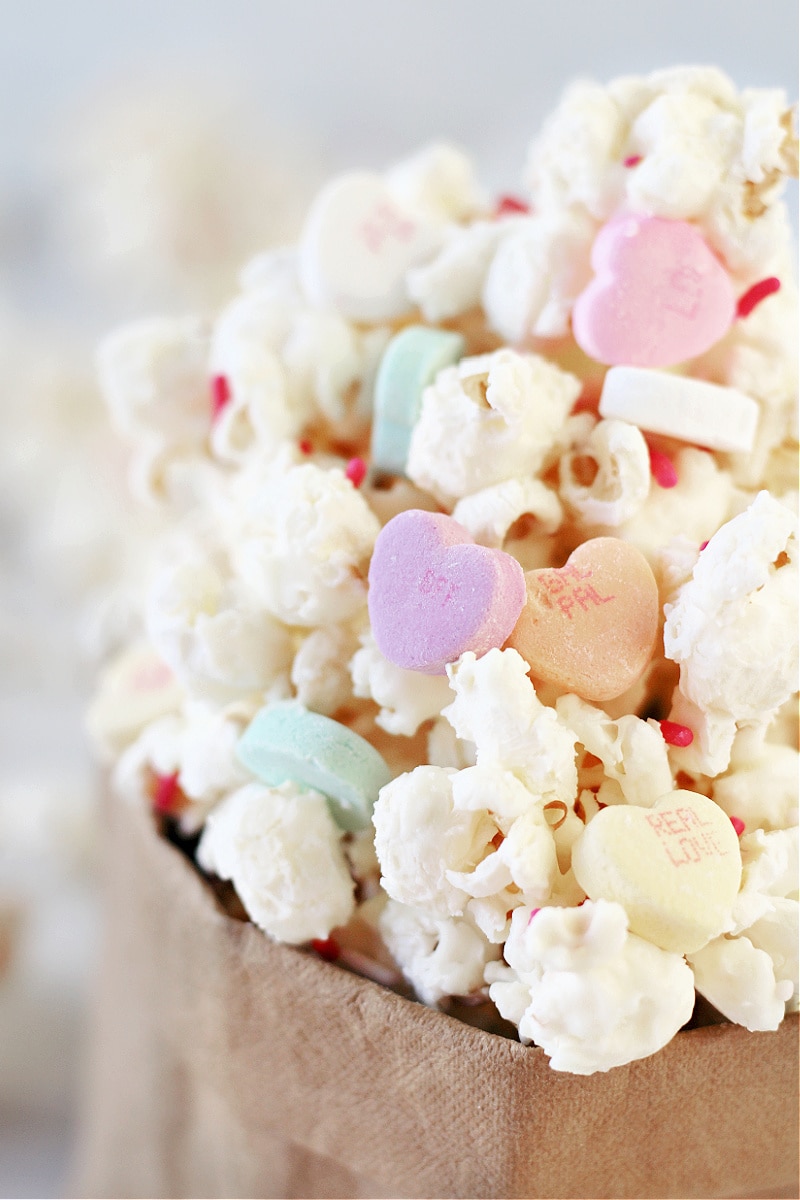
226 1065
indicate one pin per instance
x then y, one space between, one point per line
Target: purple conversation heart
434 593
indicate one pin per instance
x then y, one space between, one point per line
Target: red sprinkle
510 204
632 160
356 471
703 545
675 734
754 295
305 446
220 394
662 469
738 825
166 792
326 948
533 914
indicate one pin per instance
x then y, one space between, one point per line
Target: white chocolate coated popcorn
320 674
439 956
488 515
633 752
732 626
619 455
306 544
406 698
438 182
497 709
452 282
591 994
218 642
282 851
489 418
739 979
540 268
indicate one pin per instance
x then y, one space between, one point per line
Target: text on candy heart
684 836
566 588
383 224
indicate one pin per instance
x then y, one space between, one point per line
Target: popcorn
154 377
361 381
633 752
420 837
488 419
591 994
282 851
730 628
497 709
440 957
489 515
739 980
617 454
307 539
216 640
406 698
539 269
196 746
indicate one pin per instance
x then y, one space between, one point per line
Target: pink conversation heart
659 295
434 593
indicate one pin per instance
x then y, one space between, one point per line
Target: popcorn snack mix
470 657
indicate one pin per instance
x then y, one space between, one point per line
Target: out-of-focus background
146 150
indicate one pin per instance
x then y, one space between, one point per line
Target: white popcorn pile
270 710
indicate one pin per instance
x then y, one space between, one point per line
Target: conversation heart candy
286 741
434 593
410 362
356 247
677 406
675 868
659 295
590 625
136 688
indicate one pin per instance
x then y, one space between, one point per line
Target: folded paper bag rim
223 1064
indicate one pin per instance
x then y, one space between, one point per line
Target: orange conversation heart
590 625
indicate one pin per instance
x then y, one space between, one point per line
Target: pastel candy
590 626
677 406
410 362
659 296
356 247
434 593
136 688
675 868
286 741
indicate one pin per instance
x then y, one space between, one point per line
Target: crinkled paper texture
226 1065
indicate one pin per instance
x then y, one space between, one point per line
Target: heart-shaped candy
675 868
659 295
357 246
590 625
434 593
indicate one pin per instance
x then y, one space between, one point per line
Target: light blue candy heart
410 362
286 741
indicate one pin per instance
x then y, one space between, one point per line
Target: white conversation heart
357 246
675 868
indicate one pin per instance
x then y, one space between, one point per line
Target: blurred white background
146 147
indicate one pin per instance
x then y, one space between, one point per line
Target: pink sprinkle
220 395
675 734
165 792
356 471
754 295
510 204
738 825
703 545
533 914
305 446
662 469
632 160
326 948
